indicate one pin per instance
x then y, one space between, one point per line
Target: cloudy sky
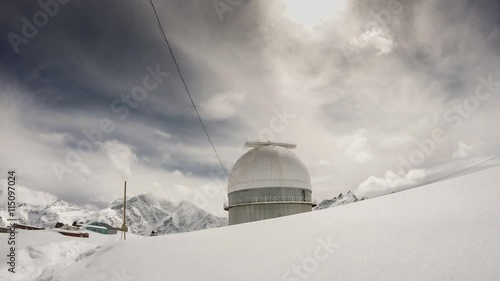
377 95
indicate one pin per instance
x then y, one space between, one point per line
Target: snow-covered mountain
144 214
342 199
37 215
147 212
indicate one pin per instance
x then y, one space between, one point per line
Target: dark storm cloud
242 70
96 48
91 53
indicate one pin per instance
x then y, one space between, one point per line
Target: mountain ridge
341 199
145 212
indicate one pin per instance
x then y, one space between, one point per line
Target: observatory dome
269 165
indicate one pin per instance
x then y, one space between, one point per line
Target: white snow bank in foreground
44 254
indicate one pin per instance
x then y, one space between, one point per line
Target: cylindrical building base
255 212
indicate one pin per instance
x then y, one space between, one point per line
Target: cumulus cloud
390 182
26 195
462 151
377 38
222 106
121 156
356 146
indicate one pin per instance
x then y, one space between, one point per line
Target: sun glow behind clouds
311 12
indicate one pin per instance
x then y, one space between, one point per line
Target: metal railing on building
270 199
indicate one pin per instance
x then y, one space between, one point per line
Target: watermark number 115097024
11 219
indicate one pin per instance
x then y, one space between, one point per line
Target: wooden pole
124 226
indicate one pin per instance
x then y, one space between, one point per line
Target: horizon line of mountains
145 213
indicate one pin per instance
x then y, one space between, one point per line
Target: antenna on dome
269 143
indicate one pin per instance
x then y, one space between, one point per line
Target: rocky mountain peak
341 199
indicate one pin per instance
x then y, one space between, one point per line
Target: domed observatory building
269 181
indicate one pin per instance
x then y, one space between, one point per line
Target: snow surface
44 254
445 231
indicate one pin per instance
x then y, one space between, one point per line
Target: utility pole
124 225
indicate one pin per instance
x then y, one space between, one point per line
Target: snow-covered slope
45 254
444 231
342 199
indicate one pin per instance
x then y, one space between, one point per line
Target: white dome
268 166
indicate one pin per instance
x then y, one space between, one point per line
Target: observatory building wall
255 212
